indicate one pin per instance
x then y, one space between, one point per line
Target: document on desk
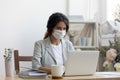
108 74
33 74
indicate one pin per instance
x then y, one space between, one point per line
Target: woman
53 49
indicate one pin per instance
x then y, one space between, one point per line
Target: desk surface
97 76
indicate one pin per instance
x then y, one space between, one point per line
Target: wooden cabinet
83 34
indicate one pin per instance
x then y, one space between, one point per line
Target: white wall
112 8
22 22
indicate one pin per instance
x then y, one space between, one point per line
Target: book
33 74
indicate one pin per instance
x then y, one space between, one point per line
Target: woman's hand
46 69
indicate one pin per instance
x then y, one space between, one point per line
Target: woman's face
60 26
59 30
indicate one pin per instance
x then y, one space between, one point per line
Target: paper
36 74
108 74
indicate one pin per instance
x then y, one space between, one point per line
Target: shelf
84 47
83 29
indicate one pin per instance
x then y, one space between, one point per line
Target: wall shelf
83 34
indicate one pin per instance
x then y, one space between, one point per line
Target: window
112 7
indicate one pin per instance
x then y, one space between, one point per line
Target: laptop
81 63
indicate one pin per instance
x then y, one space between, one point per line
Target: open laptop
81 63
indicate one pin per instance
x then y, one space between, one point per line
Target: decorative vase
9 68
72 39
83 41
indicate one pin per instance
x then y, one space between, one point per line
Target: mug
57 71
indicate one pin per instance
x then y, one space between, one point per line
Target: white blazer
43 53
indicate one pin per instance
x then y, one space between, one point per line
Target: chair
18 58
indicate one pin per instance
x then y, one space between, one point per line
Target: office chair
18 58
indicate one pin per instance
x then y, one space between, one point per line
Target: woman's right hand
48 70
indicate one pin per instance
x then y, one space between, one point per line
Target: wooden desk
97 76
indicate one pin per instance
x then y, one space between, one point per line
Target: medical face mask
59 34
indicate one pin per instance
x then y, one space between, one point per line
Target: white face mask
59 34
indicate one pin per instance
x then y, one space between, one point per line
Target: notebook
33 74
81 63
